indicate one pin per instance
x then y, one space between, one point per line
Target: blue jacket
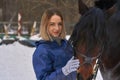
49 58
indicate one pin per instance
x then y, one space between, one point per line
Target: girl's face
55 26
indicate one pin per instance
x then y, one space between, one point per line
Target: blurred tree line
32 10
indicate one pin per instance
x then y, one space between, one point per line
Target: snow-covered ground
16 62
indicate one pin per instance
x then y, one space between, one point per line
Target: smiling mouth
56 32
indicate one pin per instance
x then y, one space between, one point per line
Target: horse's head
87 39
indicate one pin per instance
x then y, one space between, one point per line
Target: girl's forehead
55 18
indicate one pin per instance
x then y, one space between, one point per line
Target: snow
35 37
99 75
0 40
16 62
20 38
67 37
7 38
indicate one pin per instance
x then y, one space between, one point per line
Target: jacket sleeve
43 66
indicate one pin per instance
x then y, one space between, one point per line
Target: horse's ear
82 7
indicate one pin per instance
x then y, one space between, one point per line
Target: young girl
53 58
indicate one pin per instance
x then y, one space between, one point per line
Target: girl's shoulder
41 47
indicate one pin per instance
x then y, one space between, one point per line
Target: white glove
72 65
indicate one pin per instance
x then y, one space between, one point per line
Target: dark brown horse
93 39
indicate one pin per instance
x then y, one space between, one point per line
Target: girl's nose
57 27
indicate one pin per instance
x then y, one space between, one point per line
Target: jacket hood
37 43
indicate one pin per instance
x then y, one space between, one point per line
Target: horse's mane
113 27
118 4
113 44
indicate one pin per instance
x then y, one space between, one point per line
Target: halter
88 60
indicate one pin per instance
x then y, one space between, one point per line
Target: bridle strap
88 59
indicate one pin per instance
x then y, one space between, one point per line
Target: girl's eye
52 24
60 24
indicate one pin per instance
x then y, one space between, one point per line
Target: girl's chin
55 35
